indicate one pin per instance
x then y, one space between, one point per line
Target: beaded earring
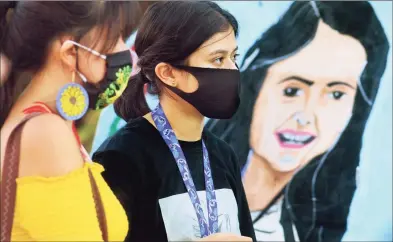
72 100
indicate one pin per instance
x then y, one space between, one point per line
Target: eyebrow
221 51
330 84
300 79
310 83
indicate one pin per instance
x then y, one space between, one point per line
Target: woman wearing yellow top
66 57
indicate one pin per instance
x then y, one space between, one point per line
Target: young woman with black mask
176 181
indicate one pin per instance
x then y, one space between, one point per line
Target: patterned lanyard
170 139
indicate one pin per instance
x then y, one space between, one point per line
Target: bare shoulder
48 148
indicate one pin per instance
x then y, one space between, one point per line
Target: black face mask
218 92
118 73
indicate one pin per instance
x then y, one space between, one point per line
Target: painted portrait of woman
308 87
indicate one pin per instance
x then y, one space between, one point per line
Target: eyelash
221 58
218 59
292 92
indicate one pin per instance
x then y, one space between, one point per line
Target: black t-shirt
142 172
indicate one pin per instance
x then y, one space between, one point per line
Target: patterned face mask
118 73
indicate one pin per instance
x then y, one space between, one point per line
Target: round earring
174 83
72 100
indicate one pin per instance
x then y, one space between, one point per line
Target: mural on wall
308 87
310 77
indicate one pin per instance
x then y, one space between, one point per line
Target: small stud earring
174 83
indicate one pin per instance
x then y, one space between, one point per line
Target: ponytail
132 103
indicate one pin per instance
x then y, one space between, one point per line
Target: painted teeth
296 138
287 136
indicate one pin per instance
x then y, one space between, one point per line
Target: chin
285 164
285 168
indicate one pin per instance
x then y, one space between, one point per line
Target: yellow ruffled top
62 208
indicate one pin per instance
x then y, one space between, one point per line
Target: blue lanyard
170 139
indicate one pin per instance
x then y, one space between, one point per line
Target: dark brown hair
28 27
169 32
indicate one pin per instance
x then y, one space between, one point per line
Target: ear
166 74
68 55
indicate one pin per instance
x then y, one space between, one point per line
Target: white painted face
306 100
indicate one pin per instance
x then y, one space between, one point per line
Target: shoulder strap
8 184
8 178
99 207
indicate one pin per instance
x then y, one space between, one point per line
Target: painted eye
336 95
292 91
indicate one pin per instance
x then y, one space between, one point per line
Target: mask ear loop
94 52
84 79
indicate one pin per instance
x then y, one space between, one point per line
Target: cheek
264 120
98 70
334 117
332 121
94 69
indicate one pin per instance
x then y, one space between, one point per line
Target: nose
234 65
231 64
307 115
303 119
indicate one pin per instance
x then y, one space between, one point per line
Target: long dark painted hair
324 219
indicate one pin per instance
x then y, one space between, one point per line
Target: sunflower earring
72 100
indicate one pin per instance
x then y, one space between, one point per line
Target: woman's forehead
225 41
329 55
